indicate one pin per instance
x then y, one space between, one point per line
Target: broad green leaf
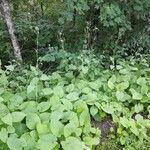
107 108
111 82
42 128
47 91
144 89
30 142
18 116
138 108
72 143
45 117
3 110
93 110
90 141
11 129
58 90
86 90
29 107
70 88
30 89
73 96
3 135
43 106
120 96
32 120
44 77
54 100
1 91
84 118
122 86
125 122
69 129
16 101
141 81
47 142
14 143
7 119
68 105
56 127
136 95
1 99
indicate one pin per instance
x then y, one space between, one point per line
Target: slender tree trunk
6 12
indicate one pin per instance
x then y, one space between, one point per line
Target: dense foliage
75 75
56 111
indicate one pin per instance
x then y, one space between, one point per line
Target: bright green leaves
136 95
120 96
7 119
42 128
131 124
47 142
43 106
56 127
58 90
32 120
73 96
18 116
14 143
47 91
72 143
122 86
3 135
111 82
93 110
3 110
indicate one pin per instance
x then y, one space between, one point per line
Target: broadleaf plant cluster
55 111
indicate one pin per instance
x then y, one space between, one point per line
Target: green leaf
30 88
44 77
47 142
141 81
136 95
14 143
18 116
1 91
43 106
90 141
45 117
56 127
108 108
3 110
84 118
3 135
111 82
138 108
122 86
58 90
30 142
68 105
69 129
125 122
72 143
73 96
32 120
47 91
42 128
120 96
93 110
7 119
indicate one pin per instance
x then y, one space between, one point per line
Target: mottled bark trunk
6 12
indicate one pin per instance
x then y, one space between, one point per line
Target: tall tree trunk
6 12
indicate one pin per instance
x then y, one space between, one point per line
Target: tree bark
6 12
